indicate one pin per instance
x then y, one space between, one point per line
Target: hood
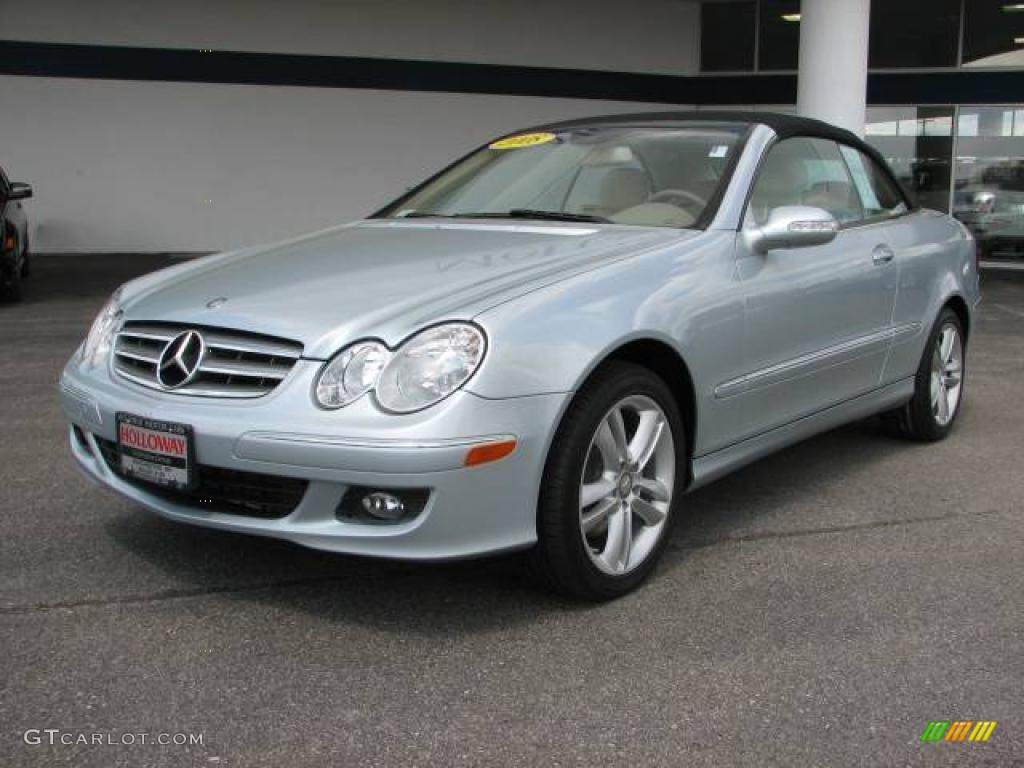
380 278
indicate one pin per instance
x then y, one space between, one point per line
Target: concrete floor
818 608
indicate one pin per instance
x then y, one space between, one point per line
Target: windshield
662 177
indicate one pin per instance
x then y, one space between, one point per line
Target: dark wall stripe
107 62
961 87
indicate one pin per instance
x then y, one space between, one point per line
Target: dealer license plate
158 452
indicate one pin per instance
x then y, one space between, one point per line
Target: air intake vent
232 363
227 491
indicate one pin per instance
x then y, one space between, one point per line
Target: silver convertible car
541 348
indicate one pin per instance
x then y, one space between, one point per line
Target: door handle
882 254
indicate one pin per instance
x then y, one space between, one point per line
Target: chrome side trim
814 361
906 330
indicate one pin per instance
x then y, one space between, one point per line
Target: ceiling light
796 16
1014 7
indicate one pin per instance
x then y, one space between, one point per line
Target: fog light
383 506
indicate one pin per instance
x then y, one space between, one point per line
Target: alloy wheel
627 485
947 374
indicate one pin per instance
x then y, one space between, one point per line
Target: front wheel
938 385
611 485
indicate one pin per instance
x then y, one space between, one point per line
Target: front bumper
470 511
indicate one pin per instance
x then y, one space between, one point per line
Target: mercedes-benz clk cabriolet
543 348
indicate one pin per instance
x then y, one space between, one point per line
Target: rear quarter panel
936 262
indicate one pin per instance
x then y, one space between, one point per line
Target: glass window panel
994 34
779 42
989 178
877 193
917 142
914 33
727 36
653 176
967 125
803 171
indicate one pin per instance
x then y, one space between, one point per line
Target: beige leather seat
623 188
782 181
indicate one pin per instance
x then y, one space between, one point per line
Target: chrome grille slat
135 355
148 332
235 364
274 349
148 337
243 368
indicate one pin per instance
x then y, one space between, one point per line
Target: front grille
233 363
223 490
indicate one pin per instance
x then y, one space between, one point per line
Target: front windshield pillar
734 198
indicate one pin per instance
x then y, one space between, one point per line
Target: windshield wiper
529 213
515 213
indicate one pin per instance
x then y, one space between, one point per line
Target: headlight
351 373
97 343
430 366
425 369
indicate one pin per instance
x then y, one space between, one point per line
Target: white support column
833 76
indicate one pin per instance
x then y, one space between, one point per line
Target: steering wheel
676 196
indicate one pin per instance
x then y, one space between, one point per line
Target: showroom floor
818 608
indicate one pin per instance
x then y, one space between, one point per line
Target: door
817 319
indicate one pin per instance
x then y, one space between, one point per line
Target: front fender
551 340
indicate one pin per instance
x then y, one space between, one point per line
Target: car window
804 171
631 175
4 184
878 194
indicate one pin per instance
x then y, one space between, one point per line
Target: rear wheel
611 485
938 385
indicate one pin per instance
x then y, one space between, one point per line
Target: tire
26 269
10 283
629 524
932 412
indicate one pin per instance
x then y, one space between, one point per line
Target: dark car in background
14 259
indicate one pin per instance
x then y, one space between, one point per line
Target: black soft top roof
783 125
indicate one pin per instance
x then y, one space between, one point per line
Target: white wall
640 36
127 165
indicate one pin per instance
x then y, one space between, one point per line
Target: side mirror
794 226
19 191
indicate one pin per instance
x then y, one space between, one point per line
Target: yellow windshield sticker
523 140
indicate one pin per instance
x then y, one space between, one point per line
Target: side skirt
715 465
